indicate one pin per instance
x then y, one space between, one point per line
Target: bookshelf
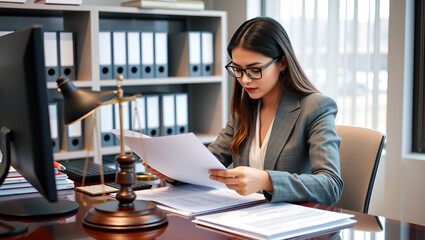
208 103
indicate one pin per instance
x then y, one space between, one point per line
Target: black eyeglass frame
244 70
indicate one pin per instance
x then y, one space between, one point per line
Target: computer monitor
24 121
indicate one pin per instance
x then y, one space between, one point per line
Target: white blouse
257 154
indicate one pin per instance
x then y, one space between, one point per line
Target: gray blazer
302 156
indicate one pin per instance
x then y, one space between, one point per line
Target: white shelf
162 81
208 110
79 84
64 155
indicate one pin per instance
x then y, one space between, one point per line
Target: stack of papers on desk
190 200
16 184
277 221
185 158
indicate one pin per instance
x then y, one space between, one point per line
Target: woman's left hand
244 180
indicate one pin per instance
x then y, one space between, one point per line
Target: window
418 134
343 48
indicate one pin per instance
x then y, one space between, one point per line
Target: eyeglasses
253 73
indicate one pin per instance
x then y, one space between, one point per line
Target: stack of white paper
276 221
191 200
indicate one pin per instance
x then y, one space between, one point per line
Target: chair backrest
360 152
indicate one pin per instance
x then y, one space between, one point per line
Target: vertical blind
343 48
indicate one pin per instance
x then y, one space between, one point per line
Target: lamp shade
79 103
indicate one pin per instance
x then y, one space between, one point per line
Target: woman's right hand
156 173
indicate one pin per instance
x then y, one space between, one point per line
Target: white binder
66 53
207 45
75 136
51 56
182 113
152 115
194 54
138 106
133 55
119 54
106 125
185 54
54 126
168 114
161 55
105 55
147 49
125 118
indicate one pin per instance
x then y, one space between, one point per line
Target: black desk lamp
126 213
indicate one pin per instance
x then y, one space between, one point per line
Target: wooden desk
71 227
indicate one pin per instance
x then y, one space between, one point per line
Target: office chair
360 151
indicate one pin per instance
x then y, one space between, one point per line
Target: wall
404 178
236 15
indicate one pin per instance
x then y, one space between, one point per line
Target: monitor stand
36 208
27 208
11 228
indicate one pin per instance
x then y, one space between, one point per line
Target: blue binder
133 55
147 52
66 53
51 56
152 115
168 114
207 46
75 136
182 113
54 126
105 55
119 54
161 55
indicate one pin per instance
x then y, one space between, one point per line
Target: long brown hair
268 37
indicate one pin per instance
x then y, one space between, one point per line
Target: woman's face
258 88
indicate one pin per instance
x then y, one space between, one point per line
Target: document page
191 199
182 157
275 220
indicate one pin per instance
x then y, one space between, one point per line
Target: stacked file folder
74 133
59 55
191 54
16 184
135 54
159 114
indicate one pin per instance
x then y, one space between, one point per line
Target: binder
152 115
133 54
119 54
182 113
161 55
75 136
168 114
66 53
51 56
106 125
207 46
54 126
185 54
140 123
105 55
147 50
125 118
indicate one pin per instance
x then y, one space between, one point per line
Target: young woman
281 136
